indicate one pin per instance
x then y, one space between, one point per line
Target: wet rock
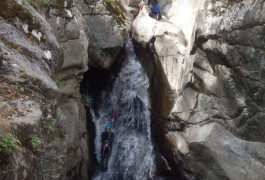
209 75
163 168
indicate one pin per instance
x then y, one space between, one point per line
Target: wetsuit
106 140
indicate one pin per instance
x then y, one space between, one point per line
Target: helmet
107 126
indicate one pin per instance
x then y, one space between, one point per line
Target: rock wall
45 47
108 24
207 75
205 60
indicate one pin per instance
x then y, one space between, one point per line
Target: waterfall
132 155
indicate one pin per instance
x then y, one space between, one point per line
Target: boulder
215 153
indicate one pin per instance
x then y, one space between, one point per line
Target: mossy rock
22 50
57 4
117 11
11 9
38 4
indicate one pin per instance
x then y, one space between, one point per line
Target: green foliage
35 141
48 125
43 2
117 11
17 87
38 4
8 143
108 1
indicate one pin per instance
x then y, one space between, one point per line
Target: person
107 138
147 2
155 13
140 6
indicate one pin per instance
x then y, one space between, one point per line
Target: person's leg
110 148
106 156
102 157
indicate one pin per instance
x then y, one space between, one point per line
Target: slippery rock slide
132 155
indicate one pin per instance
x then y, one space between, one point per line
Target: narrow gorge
184 95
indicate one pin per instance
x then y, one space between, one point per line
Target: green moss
116 10
38 4
8 143
22 50
61 4
52 128
48 125
108 1
11 9
35 141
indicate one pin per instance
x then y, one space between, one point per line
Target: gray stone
40 52
53 164
69 118
211 54
229 155
108 25
75 53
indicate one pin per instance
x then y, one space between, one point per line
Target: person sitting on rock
155 13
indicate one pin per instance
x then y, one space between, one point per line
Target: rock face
208 86
108 24
45 47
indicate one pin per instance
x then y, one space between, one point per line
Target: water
132 155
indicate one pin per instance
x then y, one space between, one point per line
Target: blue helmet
107 126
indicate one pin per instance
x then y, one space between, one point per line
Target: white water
132 156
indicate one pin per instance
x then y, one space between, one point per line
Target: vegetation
48 125
35 141
116 10
52 128
108 1
38 4
8 143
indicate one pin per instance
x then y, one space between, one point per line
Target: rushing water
132 155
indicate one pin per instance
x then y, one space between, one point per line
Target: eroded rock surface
45 47
36 52
208 86
108 25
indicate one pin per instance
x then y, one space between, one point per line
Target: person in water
107 138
